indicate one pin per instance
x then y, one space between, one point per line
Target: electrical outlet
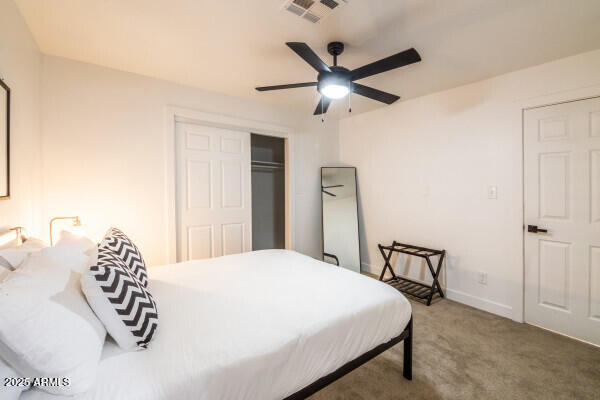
483 278
492 192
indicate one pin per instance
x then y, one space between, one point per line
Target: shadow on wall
454 105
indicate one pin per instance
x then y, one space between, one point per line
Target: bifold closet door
214 213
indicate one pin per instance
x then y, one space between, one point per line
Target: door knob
535 229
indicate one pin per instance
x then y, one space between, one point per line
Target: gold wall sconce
76 224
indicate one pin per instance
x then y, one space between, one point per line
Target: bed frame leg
407 369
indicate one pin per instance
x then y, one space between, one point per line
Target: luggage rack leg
387 262
435 273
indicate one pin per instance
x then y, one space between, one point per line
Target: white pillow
71 239
41 275
33 244
4 271
11 258
70 256
47 329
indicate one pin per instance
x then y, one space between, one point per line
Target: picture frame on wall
4 140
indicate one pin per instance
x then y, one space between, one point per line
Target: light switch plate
492 192
482 278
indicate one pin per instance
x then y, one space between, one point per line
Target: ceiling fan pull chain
349 104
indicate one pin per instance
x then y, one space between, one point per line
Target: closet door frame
178 114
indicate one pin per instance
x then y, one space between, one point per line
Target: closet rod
267 163
271 167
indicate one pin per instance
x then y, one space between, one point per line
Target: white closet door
214 212
562 195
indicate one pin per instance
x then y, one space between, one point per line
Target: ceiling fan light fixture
335 91
334 84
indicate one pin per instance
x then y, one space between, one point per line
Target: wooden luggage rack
409 286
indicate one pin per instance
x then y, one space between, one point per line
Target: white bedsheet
258 325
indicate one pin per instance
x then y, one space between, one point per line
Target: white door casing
562 195
213 192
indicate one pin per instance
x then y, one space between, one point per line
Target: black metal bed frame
406 336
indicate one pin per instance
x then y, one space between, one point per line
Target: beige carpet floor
463 353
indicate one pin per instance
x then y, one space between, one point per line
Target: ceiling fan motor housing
335 48
338 76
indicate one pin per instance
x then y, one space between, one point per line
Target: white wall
424 166
104 157
20 66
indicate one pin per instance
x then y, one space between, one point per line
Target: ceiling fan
335 82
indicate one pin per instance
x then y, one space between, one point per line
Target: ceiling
231 46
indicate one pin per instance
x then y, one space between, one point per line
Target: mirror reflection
340 217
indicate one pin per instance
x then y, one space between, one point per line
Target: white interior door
562 195
214 212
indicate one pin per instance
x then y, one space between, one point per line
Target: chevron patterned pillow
119 243
121 301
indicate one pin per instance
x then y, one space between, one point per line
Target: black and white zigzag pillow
119 243
121 301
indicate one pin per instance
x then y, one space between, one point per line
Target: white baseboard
479 302
461 297
364 267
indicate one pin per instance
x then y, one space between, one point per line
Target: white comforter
258 325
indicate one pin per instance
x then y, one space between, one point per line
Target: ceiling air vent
313 10
304 3
296 10
312 18
330 3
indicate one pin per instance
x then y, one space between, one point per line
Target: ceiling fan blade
308 55
322 106
290 86
374 94
401 59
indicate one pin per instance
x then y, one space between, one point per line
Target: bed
270 324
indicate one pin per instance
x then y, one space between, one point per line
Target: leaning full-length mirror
4 140
340 217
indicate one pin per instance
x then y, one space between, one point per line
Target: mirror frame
7 121
357 217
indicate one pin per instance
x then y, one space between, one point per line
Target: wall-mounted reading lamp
76 223
20 232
